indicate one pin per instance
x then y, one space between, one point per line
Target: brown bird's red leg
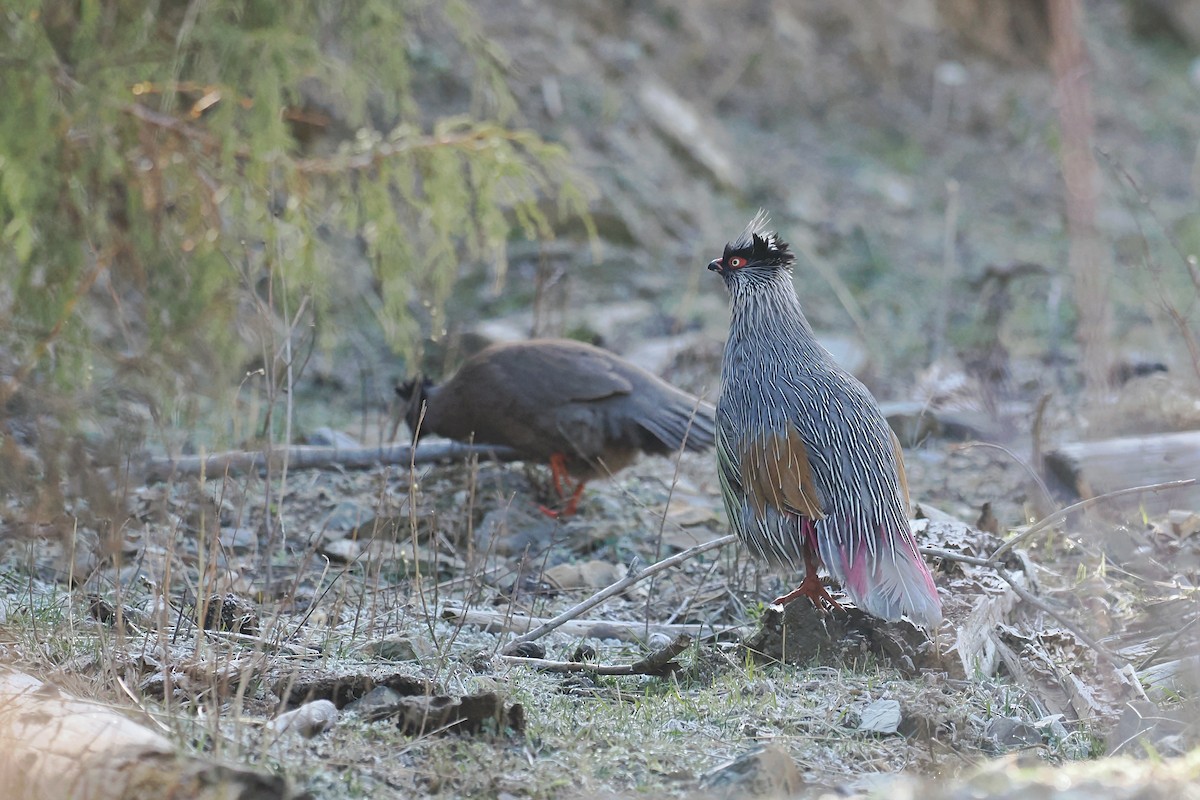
573 503
562 480
811 587
558 473
571 507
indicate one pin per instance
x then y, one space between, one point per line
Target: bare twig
950 268
1089 262
1033 473
1062 514
616 588
1174 637
951 556
1035 433
658 663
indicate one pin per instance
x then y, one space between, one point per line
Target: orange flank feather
777 473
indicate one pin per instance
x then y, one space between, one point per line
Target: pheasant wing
777 474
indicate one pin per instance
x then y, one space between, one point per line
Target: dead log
914 421
54 746
1093 468
310 457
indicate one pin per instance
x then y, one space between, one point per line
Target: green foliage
163 162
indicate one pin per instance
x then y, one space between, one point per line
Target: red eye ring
735 261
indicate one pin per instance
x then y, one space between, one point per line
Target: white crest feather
758 226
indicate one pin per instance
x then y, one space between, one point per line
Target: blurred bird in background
584 411
810 471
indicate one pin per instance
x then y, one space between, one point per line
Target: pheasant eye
735 262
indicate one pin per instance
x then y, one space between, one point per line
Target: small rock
511 531
441 714
343 550
529 650
101 610
329 437
378 699
399 648
584 652
951 73
1184 523
230 612
583 575
308 720
897 191
238 540
766 772
657 641
345 517
881 716
1010 732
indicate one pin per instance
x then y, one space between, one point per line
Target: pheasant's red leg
571 507
573 503
558 472
811 587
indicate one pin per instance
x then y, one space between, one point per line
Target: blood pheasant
810 471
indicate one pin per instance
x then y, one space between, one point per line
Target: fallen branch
616 588
501 621
658 663
310 457
1097 466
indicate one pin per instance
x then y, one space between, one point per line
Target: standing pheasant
810 471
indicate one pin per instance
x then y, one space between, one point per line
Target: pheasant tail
888 581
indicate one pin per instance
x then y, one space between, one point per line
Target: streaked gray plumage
810 471
583 410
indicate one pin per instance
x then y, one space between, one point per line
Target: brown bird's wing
567 372
776 473
523 395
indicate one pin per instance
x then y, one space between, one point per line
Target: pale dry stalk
1089 262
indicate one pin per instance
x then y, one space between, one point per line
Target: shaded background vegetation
193 191
204 204
190 191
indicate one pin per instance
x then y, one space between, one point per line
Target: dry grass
467 537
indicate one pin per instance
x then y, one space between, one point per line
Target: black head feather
414 394
759 245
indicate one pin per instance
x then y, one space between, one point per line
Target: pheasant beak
717 265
